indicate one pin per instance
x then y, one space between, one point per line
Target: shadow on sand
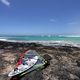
34 75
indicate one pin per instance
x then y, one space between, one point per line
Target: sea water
75 39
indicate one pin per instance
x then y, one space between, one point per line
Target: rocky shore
64 61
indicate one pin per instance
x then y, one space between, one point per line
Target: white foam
3 39
46 43
69 35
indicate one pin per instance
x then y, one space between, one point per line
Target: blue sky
39 17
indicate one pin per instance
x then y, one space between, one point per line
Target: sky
28 17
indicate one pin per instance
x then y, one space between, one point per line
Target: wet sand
64 61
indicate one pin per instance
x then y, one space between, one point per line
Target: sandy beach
64 61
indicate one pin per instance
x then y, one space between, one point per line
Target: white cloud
73 23
52 20
6 2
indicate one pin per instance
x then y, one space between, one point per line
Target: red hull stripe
20 60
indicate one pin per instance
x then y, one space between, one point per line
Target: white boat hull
21 68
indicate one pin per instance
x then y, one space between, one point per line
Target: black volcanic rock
64 61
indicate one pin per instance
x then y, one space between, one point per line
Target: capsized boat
25 63
40 64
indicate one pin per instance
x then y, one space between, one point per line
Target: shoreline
46 43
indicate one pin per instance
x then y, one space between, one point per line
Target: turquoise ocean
62 38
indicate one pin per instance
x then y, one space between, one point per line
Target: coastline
64 60
45 43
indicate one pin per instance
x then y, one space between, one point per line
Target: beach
64 60
39 39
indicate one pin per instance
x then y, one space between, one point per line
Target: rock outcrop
64 61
